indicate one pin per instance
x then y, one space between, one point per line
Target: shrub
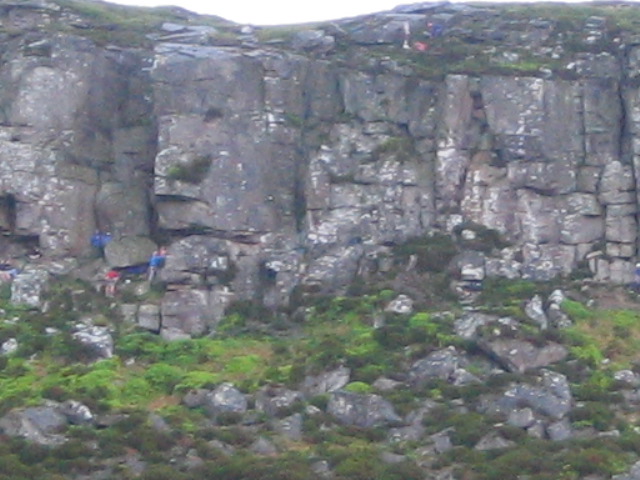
358 387
163 377
193 171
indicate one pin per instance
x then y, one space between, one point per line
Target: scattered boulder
493 441
97 340
195 397
77 413
440 364
402 304
263 446
290 427
520 355
42 425
225 399
551 397
8 346
534 309
28 287
326 382
361 410
560 430
272 400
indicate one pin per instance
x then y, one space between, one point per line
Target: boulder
8 346
225 399
77 413
41 425
129 251
560 430
326 382
402 304
361 410
493 441
550 396
195 397
290 427
520 355
273 400
534 309
437 365
28 287
96 340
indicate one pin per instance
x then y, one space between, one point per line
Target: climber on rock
156 262
99 240
111 279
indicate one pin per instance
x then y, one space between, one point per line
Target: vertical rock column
631 98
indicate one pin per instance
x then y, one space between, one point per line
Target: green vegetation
110 24
149 374
193 171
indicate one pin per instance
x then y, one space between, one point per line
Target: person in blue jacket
99 240
156 262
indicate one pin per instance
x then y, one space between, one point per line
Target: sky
278 12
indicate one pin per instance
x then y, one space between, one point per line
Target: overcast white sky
274 12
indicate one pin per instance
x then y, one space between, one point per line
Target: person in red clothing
111 278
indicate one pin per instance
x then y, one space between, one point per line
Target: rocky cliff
278 161
328 194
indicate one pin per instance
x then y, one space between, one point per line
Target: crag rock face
267 160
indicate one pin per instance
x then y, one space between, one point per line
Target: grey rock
9 346
263 446
467 325
95 339
313 40
148 317
402 304
633 474
322 469
272 400
551 396
560 430
290 427
387 384
28 287
440 364
442 441
534 309
77 413
188 311
408 433
519 355
391 458
493 441
522 418
129 251
195 397
627 377
225 398
41 425
326 382
361 410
